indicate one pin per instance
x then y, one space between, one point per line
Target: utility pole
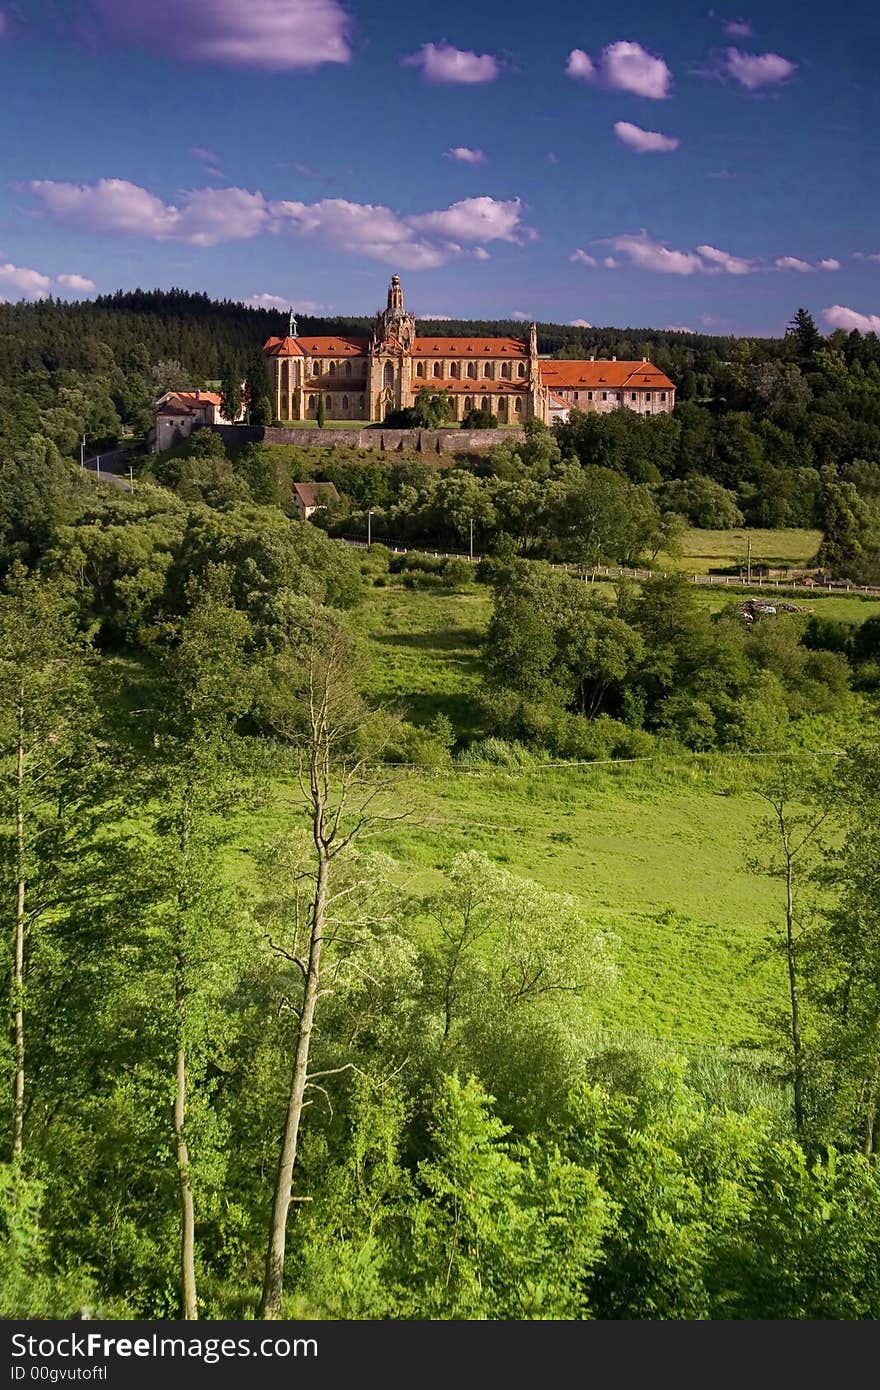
471 542
749 562
98 466
131 477
82 452
369 527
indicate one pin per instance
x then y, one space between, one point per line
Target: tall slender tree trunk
273 1283
796 1047
18 962
189 1299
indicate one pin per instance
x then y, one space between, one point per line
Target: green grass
704 551
426 651
657 852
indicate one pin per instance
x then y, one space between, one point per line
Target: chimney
592 359
644 359
614 359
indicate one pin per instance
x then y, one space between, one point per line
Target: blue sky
675 167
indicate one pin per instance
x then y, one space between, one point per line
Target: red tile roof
475 347
281 347
634 376
316 494
332 347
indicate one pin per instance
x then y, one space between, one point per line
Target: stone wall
388 441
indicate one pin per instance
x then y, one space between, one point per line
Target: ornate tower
390 370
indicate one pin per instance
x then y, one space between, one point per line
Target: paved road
111 467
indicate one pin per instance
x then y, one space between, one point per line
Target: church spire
292 330
395 297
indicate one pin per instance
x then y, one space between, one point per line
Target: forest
258 1062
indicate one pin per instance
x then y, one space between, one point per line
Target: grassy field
705 551
658 852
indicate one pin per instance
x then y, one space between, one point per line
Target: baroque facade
365 378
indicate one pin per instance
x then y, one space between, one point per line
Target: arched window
438 368
518 405
488 369
484 404
312 403
453 369
472 370
388 374
505 370
468 404
331 368
363 404
328 402
420 369
502 408
348 369
521 369
345 405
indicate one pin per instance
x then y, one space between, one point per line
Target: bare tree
796 821
337 744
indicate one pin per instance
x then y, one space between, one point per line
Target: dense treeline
773 432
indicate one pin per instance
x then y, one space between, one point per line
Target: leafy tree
231 393
479 420
703 502
48 770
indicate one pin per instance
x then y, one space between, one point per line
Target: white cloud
755 70
611 263
474 219
436 318
208 216
622 67
643 251
275 35
733 265
580 64
580 257
677 328
795 263
24 283
29 284
867 256
738 28
648 254
840 317
645 141
277 301
579 323
79 283
521 316
441 62
465 155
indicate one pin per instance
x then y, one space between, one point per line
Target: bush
498 752
457 573
479 420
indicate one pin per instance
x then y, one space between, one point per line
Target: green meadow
659 852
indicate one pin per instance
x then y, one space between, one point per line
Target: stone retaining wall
421 441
